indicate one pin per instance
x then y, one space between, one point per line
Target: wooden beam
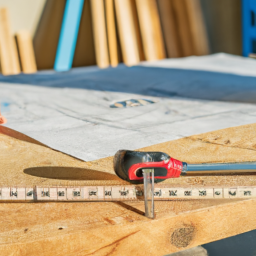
137 30
68 35
100 33
111 31
121 228
8 50
85 48
169 27
197 27
46 37
127 32
150 28
184 32
26 52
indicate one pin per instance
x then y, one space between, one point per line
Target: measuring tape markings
117 193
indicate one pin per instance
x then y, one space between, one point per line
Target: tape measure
120 193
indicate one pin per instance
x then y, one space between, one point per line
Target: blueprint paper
71 112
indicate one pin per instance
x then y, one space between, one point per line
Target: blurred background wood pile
115 31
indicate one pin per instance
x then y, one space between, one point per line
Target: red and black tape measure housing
128 165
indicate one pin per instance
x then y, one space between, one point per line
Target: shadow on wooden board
47 36
69 173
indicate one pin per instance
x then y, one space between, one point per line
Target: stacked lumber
131 31
148 30
16 51
114 31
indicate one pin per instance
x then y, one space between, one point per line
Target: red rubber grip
173 167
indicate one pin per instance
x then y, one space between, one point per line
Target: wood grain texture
184 32
85 49
223 20
47 33
100 33
120 228
127 32
150 28
169 28
111 31
26 52
197 27
8 49
137 30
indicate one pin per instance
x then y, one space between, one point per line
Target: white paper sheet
74 115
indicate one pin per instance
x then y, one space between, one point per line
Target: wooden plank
224 25
184 32
26 52
100 33
47 33
68 35
150 27
120 228
137 30
169 27
127 32
85 49
8 50
111 30
197 27
109 229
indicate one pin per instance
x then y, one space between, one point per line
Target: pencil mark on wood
116 243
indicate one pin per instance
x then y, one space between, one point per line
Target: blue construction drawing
68 35
249 26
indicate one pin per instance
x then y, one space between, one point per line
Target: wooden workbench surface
119 228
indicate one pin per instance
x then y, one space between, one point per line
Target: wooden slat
224 25
100 33
26 52
127 32
85 49
68 35
111 31
169 27
197 27
137 30
184 32
47 33
8 50
150 29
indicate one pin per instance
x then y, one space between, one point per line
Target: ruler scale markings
218 193
232 192
107 193
93 193
115 193
14 193
61 194
29 193
6 193
101 193
21 193
74 194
